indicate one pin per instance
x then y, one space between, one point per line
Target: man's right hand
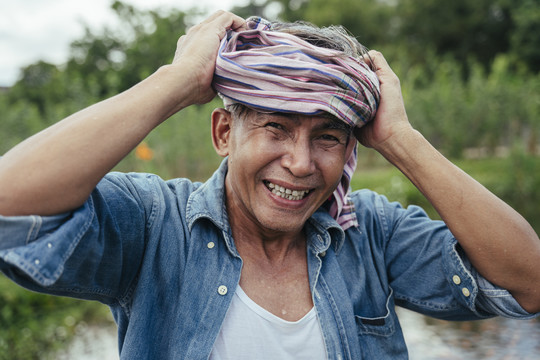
197 50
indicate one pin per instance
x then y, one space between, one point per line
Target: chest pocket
377 322
379 333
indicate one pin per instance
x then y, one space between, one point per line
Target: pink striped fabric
272 71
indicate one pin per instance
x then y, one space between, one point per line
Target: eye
274 125
329 138
276 130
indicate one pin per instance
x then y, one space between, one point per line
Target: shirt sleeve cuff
39 245
473 290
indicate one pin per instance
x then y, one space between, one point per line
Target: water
94 343
494 339
427 339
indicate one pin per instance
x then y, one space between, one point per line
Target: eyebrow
334 123
338 125
331 123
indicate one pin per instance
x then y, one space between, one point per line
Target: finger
226 19
213 16
379 64
377 60
231 21
367 59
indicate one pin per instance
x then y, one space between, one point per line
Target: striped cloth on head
272 71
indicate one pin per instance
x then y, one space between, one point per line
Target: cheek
334 166
248 154
255 149
332 170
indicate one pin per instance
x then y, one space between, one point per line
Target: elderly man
272 257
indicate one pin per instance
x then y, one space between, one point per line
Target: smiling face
282 168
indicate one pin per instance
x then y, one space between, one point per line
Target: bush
515 179
518 183
483 111
35 325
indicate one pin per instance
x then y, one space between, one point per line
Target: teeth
286 193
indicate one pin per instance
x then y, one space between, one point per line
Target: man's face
282 168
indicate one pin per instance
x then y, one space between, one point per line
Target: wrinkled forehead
245 113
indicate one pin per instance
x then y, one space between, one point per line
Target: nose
299 158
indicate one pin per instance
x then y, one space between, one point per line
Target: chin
282 224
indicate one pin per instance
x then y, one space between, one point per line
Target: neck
273 248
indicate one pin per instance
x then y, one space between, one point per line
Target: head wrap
273 71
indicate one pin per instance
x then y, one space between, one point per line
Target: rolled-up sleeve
473 289
39 245
431 274
93 252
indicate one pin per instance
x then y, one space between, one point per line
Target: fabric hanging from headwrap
272 71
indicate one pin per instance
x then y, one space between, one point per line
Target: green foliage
515 179
36 325
19 120
465 29
182 146
525 37
518 183
486 111
363 18
116 60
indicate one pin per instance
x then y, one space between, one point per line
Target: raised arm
55 170
499 242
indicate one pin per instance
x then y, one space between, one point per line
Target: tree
105 62
525 39
465 29
38 84
117 60
369 20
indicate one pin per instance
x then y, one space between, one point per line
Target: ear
221 130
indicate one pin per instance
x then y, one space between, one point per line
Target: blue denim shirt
161 255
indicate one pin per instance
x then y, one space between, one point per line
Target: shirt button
323 254
36 261
211 245
456 279
222 290
49 245
466 292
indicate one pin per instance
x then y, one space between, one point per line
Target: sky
32 30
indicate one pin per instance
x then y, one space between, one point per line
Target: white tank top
250 332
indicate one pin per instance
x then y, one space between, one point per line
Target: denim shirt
161 255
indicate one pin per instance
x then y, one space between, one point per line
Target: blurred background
470 77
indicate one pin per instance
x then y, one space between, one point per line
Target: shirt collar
208 202
328 231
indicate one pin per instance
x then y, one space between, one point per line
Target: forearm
498 241
55 170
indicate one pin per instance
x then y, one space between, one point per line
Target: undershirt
251 332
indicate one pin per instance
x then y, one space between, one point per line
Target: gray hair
334 37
